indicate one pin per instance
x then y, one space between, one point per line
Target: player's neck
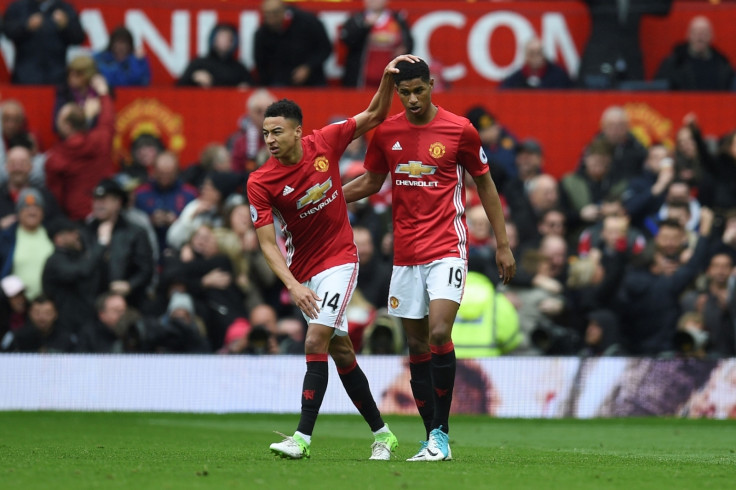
423 119
294 157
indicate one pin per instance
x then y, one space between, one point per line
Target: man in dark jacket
220 67
127 268
105 334
648 301
697 64
72 273
42 332
373 37
290 47
537 71
41 31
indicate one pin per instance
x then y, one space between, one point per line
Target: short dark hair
410 71
285 108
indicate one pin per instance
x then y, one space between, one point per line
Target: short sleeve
374 158
470 152
260 205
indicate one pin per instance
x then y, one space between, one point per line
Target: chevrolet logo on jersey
415 169
315 194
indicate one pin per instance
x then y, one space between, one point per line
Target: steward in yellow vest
487 324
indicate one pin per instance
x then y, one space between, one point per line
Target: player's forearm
278 265
381 102
492 206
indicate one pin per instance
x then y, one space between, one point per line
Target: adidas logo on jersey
287 190
397 147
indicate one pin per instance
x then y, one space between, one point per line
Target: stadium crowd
631 253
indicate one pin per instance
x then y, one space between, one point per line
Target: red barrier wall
564 122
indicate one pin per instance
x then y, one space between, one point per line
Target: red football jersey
308 201
427 165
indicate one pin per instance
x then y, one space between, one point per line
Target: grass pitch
60 450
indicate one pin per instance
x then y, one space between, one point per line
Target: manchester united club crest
437 150
394 302
321 164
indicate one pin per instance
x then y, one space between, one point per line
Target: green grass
57 450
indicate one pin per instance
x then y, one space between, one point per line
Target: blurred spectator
541 194
220 67
645 194
215 157
121 64
205 209
136 216
42 332
41 32
606 233
290 47
612 53
105 334
680 193
128 264
144 150
602 335
373 37
84 156
688 159
481 243
25 246
696 64
15 132
208 277
537 71
384 336
720 169
246 145
79 89
375 274
164 196
628 153
529 161
13 306
584 190
648 300
237 239
498 143
71 275
715 302
290 332
178 330
18 164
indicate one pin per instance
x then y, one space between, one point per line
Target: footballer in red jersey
300 186
427 150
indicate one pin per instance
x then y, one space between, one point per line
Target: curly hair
285 108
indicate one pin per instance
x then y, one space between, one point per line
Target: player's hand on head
306 299
391 68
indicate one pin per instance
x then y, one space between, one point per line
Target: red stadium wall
477 41
189 119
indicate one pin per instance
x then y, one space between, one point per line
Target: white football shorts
414 286
335 287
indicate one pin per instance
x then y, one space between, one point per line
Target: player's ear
298 131
431 83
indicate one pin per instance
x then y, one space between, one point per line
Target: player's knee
440 333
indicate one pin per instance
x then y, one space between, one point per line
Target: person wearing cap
498 143
206 209
19 164
71 275
25 246
128 266
83 156
13 305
